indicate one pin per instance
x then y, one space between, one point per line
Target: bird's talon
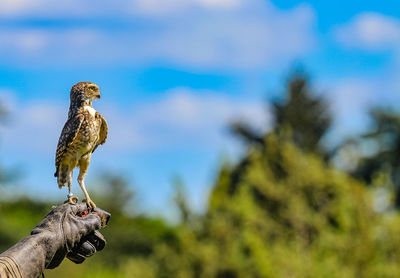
90 203
72 200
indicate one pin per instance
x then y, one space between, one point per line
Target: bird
84 130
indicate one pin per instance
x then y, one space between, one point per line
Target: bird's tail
62 175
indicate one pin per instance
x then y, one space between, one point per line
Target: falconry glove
69 230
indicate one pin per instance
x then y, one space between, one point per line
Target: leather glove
68 230
74 226
88 245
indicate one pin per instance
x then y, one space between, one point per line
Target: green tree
304 113
301 112
180 199
308 220
379 149
5 175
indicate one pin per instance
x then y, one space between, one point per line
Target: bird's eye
91 88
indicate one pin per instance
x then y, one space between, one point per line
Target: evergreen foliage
383 149
299 112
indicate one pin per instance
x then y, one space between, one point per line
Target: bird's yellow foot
72 200
90 203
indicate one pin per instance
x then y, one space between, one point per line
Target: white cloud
85 8
33 128
196 33
162 7
26 42
10 7
220 3
370 31
48 9
181 118
201 115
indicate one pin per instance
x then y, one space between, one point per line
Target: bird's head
84 92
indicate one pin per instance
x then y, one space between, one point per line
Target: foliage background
285 209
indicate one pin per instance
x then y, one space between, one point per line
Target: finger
90 223
76 258
104 216
98 240
76 227
85 249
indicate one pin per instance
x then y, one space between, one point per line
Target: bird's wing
103 132
68 135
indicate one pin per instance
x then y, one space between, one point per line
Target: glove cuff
9 268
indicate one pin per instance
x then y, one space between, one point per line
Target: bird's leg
71 198
83 165
81 181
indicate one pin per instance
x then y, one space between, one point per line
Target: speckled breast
89 134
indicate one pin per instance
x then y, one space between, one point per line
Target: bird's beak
98 95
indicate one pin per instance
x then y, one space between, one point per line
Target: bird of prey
83 132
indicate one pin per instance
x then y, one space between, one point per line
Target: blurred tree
3 113
300 112
17 219
301 219
4 175
311 221
115 193
304 113
129 233
180 199
300 115
7 175
379 149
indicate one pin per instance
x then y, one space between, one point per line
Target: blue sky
173 73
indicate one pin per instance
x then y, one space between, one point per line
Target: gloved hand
88 245
68 230
74 227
